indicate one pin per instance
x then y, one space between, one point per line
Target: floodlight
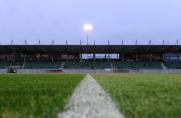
88 27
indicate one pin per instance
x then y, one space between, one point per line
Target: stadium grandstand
90 57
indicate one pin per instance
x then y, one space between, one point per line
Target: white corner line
89 100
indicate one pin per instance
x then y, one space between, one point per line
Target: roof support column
150 58
66 58
108 57
122 56
80 57
163 57
52 59
136 57
178 57
94 57
25 58
38 57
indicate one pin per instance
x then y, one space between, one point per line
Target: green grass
35 95
144 95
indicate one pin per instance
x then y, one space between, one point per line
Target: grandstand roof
8 49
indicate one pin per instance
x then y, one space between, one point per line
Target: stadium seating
87 65
173 65
95 65
40 65
101 65
2 65
76 65
137 65
119 65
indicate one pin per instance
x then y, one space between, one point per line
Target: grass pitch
35 95
144 95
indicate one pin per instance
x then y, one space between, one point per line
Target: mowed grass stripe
35 95
144 95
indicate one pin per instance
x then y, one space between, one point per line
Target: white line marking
89 100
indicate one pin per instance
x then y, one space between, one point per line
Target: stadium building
116 58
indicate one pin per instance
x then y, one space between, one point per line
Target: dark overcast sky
113 20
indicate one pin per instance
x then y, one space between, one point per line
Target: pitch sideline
89 100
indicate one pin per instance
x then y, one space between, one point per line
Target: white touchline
89 100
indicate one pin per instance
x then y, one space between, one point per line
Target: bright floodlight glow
88 27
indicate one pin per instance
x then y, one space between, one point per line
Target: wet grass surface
35 95
144 95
